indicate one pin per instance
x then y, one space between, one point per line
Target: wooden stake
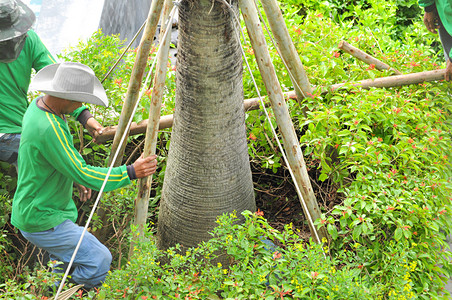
393 81
253 103
150 144
165 122
133 89
290 139
131 99
367 58
287 49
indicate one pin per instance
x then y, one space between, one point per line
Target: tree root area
277 198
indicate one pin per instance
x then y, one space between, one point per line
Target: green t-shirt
48 166
15 79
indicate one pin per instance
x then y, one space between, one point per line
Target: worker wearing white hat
43 208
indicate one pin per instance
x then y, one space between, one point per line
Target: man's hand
448 74
431 20
94 128
145 166
84 192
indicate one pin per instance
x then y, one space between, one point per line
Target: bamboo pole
394 81
136 77
131 98
150 144
367 58
253 103
287 49
290 139
165 122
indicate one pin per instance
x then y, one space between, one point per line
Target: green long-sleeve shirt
14 81
48 166
444 8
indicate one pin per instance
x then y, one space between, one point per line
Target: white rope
114 158
273 129
124 52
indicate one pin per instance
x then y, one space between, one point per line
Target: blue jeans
9 147
92 261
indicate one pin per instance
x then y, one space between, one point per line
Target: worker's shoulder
38 121
33 35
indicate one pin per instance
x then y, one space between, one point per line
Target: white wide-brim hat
70 81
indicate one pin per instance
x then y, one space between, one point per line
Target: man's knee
105 261
99 260
92 274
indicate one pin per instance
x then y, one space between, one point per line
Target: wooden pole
150 144
393 81
165 122
136 77
290 139
287 49
253 103
367 58
131 99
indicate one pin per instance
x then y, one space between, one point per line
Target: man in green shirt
438 17
21 50
49 164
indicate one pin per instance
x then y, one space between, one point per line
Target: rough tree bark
208 171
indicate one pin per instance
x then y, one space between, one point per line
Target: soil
276 197
275 194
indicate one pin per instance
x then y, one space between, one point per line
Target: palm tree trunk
208 171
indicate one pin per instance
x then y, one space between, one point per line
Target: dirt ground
277 198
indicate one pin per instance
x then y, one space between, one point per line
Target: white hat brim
42 82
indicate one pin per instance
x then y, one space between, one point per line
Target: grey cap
16 18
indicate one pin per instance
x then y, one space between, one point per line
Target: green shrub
6 261
36 284
387 151
257 268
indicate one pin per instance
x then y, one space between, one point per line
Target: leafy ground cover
379 161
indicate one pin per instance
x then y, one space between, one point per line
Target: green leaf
407 233
344 133
398 234
323 177
251 230
332 230
87 151
357 232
